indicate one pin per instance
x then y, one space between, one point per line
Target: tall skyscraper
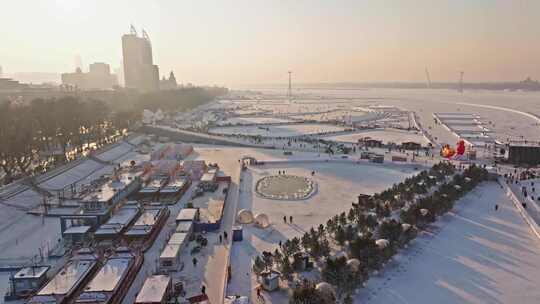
140 72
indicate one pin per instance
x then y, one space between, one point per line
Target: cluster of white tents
260 220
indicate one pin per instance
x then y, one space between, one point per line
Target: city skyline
255 42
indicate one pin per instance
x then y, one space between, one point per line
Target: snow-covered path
475 255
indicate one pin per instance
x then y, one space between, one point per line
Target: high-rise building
139 70
99 77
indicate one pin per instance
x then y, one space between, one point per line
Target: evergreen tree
268 260
340 236
306 293
286 268
258 266
338 273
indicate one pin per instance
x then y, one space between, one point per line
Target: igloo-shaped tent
405 227
354 264
262 220
244 217
326 290
382 243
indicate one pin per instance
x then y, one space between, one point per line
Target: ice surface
277 130
387 135
252 120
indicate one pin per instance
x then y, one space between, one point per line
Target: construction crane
428 79
145 35
132 30
461 81
289 92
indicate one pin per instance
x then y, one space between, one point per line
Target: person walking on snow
259 295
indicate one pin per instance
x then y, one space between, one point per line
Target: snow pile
150 117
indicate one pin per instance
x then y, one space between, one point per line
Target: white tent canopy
262 220
354 264
382 243
244 217
326 289
405 226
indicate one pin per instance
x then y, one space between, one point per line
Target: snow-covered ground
474 255
115 152
478 255
22 235
533 196
277 131
252 120
512 114
348 115
386 135
338 187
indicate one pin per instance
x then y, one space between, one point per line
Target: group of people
290 219
224 236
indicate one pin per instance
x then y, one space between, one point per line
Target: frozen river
512 114
277 130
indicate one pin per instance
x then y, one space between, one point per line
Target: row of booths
164 188
91 278
130 224
169 260
190 220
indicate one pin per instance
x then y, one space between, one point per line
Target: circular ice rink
285 187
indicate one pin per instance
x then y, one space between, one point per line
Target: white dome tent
262 220
326 290
382 243
354 264
405 227
244 216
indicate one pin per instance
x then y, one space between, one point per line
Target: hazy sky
256 41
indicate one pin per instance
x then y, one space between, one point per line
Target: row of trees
37 135
182 99
34 136
370 233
